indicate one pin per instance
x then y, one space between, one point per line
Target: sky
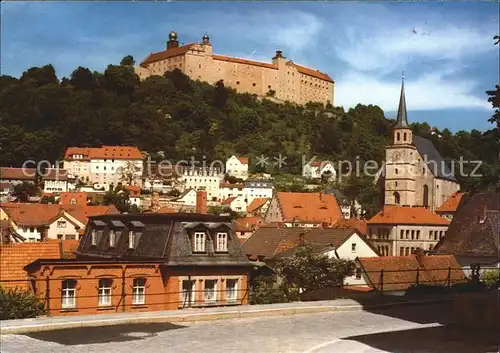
444 48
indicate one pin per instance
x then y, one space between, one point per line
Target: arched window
397 198
396 170
404 136
398 136
425 196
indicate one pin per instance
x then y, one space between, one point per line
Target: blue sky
449 62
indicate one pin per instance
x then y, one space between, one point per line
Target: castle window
396 171
404 136
397 198
253 84
269 86
199 66
398 136
237 82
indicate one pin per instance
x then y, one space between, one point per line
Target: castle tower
172 40
400 161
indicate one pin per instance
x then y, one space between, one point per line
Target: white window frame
200 241
112 238
61 224
105 285
210 294
93 236
139 291
222 239
131 239
68 294
233 290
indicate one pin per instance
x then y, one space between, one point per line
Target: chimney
324 225
201 202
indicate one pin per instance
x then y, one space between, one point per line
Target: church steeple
402 122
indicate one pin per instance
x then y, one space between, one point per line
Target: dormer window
112 238
131 240
199 241
94 237
221 242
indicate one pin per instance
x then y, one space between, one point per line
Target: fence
101 293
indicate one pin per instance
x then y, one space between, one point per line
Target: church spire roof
402 121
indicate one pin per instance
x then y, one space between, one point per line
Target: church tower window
397 198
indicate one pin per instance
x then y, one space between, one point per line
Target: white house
188 197
57 180
315 169
258 189
229 190
235 203
202 179
237 167
105 165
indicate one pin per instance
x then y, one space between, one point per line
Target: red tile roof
228 200
306 71
104 152
134 190
35 214
80 198
165 54
359 224
232 186
267 241
13 258
246 224
452 203
407 215
256 204
243 160
309 207
400 272
17 173
244 61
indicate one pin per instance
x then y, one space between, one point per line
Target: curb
41 326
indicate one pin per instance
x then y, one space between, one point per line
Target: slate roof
435 161
165 238
475 228
402 118
268 242
400 272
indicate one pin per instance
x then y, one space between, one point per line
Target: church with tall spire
415 173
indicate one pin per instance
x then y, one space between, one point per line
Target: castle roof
165 54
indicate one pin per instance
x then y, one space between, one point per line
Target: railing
154 292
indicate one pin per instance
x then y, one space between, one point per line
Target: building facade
415 174
133 263
319 169
400 231
281 79
202 179
237 167
106 165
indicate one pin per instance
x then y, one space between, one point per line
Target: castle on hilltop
281 79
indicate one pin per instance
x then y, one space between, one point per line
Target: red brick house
146 262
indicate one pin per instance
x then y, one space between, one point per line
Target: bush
491 278
19 304
264 290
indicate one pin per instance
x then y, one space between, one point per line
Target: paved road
412 329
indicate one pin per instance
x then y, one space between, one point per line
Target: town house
237 167
146 262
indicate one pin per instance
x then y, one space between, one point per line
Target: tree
127 61
129 174
494 99
23 191
48 200
308 271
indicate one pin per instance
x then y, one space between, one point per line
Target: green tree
23 191
18 303
127 61
308 271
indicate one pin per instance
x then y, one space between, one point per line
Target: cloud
428 92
